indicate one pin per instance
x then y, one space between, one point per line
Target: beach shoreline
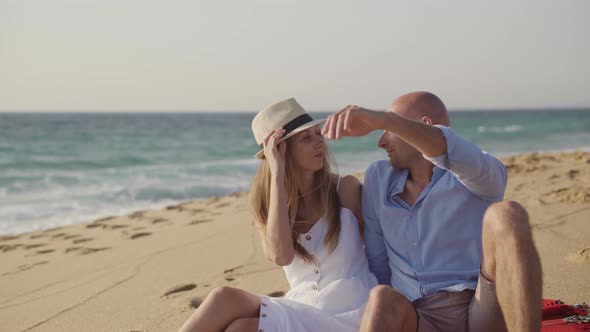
148 270
164 204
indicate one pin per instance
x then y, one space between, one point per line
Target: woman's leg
221 307
243 325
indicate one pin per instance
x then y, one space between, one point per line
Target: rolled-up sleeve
480 172
374 241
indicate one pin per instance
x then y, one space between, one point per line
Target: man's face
401 154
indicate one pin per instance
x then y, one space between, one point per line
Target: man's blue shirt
434 245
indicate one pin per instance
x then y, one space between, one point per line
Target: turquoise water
58 169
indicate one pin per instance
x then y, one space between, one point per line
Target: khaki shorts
468 310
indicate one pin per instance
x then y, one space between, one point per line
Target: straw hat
287 114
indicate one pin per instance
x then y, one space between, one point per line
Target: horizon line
163 111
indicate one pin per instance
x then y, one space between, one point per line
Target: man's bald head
417 105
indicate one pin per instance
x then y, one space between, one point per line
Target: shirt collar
398 177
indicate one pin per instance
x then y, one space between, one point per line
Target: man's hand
353 121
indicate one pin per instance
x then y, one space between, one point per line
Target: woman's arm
350 197
277 242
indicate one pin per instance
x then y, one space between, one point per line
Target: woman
309 221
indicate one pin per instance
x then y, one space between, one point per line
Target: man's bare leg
510 259
388 310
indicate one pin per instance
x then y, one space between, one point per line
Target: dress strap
338 184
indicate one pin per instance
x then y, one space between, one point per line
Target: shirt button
264 304
263 315
315 287
413 243
261 330
308 237
316 271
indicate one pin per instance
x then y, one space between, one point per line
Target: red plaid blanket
561 317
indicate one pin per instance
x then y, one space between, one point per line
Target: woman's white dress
329 295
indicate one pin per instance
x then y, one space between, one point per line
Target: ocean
63 168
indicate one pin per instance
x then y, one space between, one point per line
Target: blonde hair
323 181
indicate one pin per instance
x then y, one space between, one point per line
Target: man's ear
427 120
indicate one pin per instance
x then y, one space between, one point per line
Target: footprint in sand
37 236
68 250
53 229
39 252
572 173
195 302
8 237
199 221
178 289
72 236
28 266
94 225
229 273
276 294
138 235
118 226
9 247
581 256
572 195
230 270
85 251
158 220
25 267
179 208
31 246
83 240
222 205
104 219
58 235
137 215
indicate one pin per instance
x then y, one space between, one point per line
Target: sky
142 55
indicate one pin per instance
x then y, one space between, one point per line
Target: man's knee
388 309
507 220
387 300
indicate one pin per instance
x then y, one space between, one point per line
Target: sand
148 271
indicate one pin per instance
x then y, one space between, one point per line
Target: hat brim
260 154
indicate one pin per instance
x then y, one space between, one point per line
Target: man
450 255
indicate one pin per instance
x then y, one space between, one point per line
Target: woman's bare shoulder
349 191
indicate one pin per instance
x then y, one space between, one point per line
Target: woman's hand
275 155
